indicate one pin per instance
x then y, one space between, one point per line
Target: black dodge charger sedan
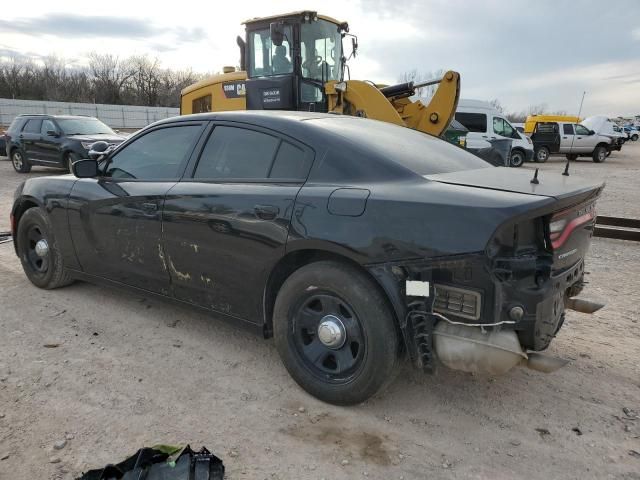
352 242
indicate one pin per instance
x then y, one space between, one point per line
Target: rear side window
156 155
16 125
475 122
567 129
238 153
291 163
33 125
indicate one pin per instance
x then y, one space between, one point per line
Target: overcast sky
521 52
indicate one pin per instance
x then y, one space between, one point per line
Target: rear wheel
19 162
38 251
599 154
335 333
517 158
542 154
572 156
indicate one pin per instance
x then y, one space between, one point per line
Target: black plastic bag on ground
163 462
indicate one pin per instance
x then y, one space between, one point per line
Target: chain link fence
116 116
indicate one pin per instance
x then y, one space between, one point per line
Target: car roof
38 115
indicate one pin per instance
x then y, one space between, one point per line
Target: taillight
561 225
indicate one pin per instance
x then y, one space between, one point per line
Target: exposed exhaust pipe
470 349
584 306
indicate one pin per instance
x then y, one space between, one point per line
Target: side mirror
52 133
276 32
87 168
591 132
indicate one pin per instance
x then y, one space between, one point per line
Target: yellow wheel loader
296 61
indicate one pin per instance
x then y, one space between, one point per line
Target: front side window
321 43
47 126
269 59
83 126
474 122
581 130
157 155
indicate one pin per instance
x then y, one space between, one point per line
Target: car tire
542 154
69 159
353 314
19 161
599 154
41 262
517 158
572 156
634 138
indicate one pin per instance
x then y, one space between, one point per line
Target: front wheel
517 158
634 138
542 154
599 154
335 333
19 162
38 251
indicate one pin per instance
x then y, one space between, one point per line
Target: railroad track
617 227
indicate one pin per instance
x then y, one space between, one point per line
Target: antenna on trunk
535 180
566 167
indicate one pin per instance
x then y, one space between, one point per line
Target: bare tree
418 77
110 75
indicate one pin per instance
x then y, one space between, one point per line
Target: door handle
266 212
150 207
579 138
564 138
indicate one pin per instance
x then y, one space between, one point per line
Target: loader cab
289 58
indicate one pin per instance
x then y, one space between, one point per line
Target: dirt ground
129 372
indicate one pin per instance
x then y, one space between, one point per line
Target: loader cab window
321 45
267 59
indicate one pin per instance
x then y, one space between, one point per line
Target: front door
226 226
48 146
585 142
115 220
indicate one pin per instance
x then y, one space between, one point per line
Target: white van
486 123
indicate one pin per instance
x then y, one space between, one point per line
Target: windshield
321 44
83 126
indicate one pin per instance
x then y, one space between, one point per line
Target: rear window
567 129
417 151
475 122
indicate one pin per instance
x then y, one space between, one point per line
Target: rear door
567 139
226 223
29 136
115 220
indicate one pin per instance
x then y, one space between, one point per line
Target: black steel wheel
19 161
38 251
335 332
517 158
328 337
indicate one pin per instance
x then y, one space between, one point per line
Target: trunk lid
569 218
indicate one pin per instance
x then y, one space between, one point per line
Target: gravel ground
108 372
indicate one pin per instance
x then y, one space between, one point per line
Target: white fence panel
116 116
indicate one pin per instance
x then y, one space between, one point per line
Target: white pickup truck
572 139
